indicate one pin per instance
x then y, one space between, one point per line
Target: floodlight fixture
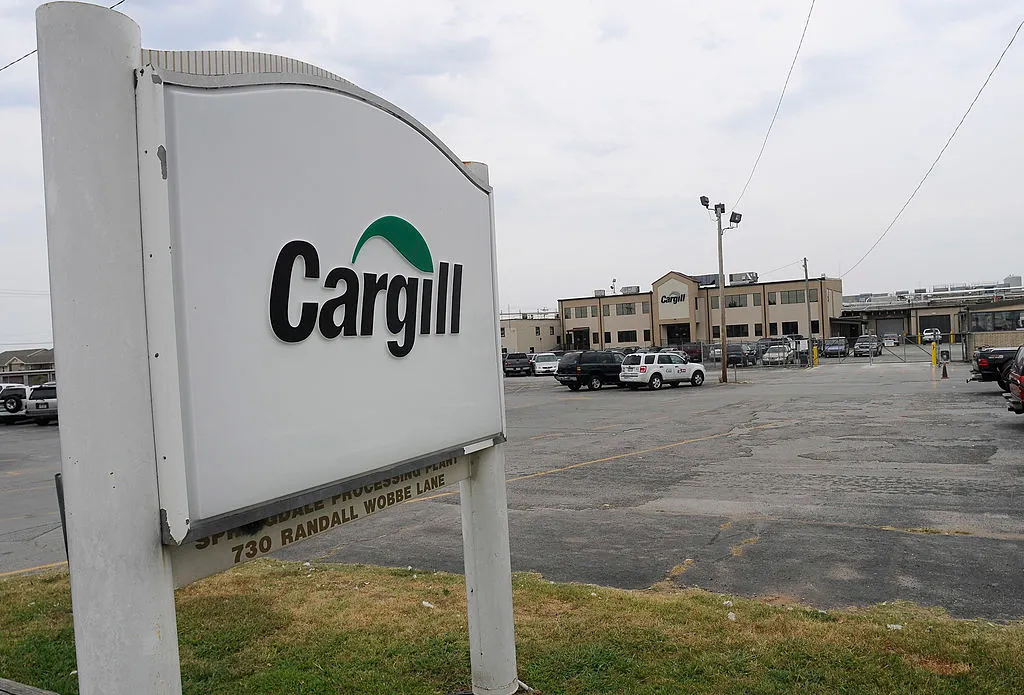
704 201
735 218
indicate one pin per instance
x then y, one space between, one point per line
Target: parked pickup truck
516 363
993 364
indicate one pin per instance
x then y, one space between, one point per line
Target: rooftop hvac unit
748 278
599 293
631 289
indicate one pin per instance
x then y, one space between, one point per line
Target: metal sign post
228 229
121 585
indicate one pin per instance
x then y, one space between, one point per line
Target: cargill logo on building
673 297
351 313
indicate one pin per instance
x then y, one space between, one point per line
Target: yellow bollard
935 354
815 353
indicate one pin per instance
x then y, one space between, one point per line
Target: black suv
590 368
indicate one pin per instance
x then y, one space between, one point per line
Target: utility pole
734 221
807 301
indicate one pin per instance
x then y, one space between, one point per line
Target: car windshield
631 359
545 358
569 358
836 341
44 392
517 356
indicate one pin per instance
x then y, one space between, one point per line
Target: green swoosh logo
405 238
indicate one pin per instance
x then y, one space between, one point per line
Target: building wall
829 305
607 327
995 339
521 334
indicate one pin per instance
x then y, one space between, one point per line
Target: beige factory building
530 332
678 310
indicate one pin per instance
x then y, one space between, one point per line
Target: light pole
734 221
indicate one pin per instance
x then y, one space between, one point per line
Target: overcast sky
603 122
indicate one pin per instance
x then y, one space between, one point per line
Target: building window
502 331
815 327
626 336
997 320
607 337
625 309
757 299
605 309
597 338
758 329
567 313
552 328
536 330
645 307
812 294
734 301
716 332
790 328
558 340
737 330
504 351
647 335
791 297
581 312
771 300
714 301
593 311
773 329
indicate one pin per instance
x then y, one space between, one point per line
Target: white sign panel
673 299
320 293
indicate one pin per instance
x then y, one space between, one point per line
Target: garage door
940 322
884 326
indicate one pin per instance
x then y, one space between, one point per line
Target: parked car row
1005 366
597 368
36 403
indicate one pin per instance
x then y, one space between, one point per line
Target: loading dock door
941 322
897 326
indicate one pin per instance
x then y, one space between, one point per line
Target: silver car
41 406
544 363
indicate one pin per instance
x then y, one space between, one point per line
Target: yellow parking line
33 569
606 427
730 433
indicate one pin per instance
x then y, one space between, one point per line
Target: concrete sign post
294 283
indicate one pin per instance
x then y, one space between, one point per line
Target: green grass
268 628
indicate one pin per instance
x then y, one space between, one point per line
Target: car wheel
595 383
574 387
12 404
697 379
655 383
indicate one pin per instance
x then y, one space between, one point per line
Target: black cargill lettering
286 536
312 527
352 513
216 537
309 509
408 491
202 543
300 532
345 496
382 502
370 505
325 522
336 519
319 505
391 498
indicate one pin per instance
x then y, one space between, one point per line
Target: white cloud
603 122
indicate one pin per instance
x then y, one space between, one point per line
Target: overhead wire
783 267
778 106
941 152
32 52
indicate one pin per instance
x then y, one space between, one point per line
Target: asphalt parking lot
843 485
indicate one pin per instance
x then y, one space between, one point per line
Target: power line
777 106
941 152
783 267
32 52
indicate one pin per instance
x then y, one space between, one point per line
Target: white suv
931 335
13 398
657 368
